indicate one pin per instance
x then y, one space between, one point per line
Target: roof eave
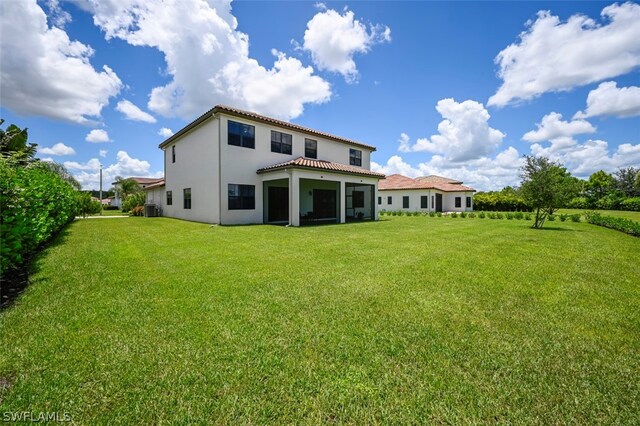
297 166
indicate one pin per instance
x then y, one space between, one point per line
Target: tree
546 186
127 187
13 142
86 205
628 181
600 184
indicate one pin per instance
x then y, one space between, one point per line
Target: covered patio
304 191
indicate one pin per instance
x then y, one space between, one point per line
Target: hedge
620 224
35 203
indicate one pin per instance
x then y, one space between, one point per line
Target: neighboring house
108 201
424 194
236 167
142 181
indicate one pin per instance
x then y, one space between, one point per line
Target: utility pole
101 190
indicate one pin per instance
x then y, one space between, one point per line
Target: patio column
343 202
375 201
294 198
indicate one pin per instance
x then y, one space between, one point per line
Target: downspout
213 115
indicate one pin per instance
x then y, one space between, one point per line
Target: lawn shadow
557 228
15 281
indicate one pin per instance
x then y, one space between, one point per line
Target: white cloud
464 134
333 39
97 136
45 73
552 127
58 149
483 173
165 132
405 143
320 6
208 59
584 159
103 153
555 56
88 174
132 112
608 99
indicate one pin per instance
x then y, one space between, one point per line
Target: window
357 199
458 202
173 154
379 200
186 196
243 135
389 200
280 142
169 198
242 197
468 201
424 202
405 202
310 148
355 157
433 201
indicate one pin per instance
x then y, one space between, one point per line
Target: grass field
407 320
616 213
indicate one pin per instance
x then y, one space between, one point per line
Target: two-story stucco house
424 194
236 167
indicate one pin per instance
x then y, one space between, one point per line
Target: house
424 194
231 166
142 181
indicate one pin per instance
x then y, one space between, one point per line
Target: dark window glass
458 202
281 142
389 200
424 202
187 198
357 199
173 154
433 201
242 197
310 148
169 198
240 134
468 201
405 202
379 200
355 157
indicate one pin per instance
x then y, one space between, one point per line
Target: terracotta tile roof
438 179
264 119
158 184
306 163
396 181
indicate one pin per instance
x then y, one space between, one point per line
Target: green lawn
407 320
616 213
110 213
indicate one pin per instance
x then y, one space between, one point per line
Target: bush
454 215
632 204
564 217
499 216
463 215
551 217
439 214
527 216
110 207
609 202
432 214
491 215
133 200
510 216
35 203
620 224
519 215
472 215
575 217
481 215
579 203
86 205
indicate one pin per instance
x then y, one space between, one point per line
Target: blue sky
460 89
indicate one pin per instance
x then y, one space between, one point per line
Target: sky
457 89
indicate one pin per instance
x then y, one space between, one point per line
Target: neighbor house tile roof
438 179
263 119
306 163
158 184
396 182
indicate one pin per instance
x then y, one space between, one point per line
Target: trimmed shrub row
471 215
618 223
606 203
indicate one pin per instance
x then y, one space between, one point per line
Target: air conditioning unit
150 210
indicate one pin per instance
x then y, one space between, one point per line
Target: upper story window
281 142
173 154
310 148
240 134
355 157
